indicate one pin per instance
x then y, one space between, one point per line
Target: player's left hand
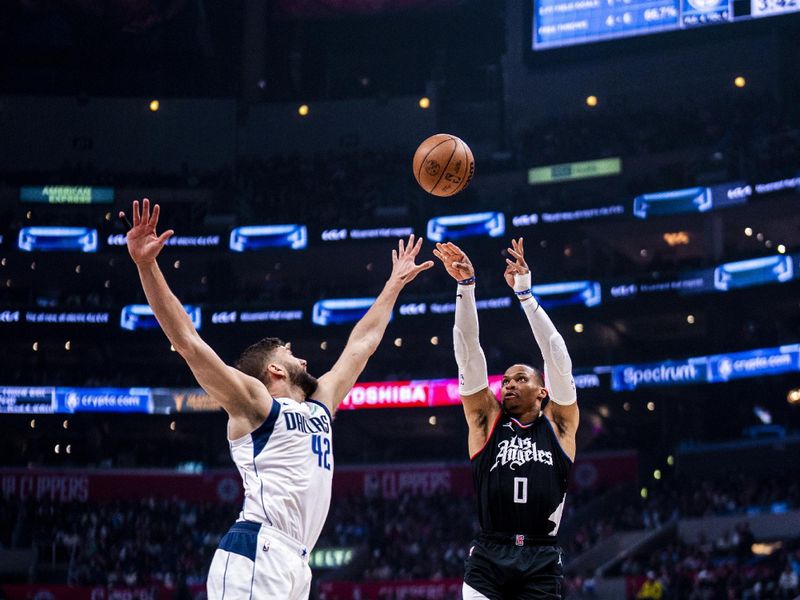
517 266
404 267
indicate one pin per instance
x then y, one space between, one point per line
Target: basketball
443 165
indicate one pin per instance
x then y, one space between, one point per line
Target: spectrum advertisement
717 368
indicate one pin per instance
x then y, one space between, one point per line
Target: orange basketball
443 165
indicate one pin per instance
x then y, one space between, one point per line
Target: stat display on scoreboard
559 23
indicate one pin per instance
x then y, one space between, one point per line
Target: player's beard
302 379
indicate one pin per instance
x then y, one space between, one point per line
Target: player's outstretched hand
144 243
455 261
518 266
404 267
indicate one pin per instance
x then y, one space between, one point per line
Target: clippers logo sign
258 237
756 271
696 199
552 295
454 227
335 311
140 316
55 239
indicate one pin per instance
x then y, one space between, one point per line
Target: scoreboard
558 23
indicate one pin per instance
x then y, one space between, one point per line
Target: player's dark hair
255 357
537 373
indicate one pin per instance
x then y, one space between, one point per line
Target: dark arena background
647 151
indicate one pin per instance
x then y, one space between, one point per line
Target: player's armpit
565 418
481 410
241 395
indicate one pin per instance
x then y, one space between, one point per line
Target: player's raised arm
368 332
563 408
480 406
239 394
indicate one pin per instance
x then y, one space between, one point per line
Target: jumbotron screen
559 23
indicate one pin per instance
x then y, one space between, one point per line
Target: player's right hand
455 261
143 242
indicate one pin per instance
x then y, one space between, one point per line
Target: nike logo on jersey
519 451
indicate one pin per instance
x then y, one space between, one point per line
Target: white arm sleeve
557 362
472 373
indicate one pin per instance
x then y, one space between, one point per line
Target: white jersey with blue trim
286 466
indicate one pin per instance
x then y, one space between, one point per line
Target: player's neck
529 416
283 389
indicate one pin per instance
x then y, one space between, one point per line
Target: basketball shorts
505 571
254 560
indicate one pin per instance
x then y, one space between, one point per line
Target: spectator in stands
788 583
652 588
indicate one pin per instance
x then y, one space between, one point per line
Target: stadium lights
424 102
591 101
323 345
432 420
740 81
781 249
651 406
578 327
398 342
690 319
435 340
154 105
793 397
748 231
302 110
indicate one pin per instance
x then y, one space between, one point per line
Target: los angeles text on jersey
297 421
518 451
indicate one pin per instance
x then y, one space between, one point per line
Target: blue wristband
467 281
522 293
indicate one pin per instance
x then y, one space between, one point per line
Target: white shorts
254 560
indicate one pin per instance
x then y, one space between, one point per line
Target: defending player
280 438
521 451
